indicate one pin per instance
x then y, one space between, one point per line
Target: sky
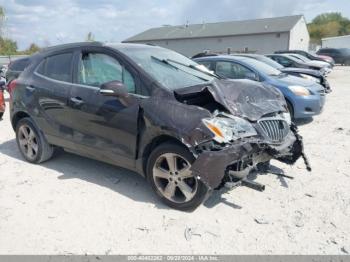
50 22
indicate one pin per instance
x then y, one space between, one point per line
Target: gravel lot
74 205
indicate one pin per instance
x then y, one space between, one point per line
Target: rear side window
58 67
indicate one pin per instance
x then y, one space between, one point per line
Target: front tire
32 143
291 110
168 172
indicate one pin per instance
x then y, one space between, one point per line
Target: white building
336 42
259 36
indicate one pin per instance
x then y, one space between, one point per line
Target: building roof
247 27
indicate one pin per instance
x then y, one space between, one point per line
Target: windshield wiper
166 62
196 68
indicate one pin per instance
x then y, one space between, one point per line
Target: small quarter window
58 67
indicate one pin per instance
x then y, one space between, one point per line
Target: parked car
290 61
306 60
304 98
305 73
2 98
308 55
340 55
327 59
15 68
2 89
153 111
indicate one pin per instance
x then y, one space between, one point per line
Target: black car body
306 54
299 72
153 111
340 55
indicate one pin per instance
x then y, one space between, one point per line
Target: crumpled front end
229 126
216 164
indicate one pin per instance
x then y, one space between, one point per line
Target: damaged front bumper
215 163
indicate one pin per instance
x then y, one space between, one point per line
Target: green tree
33 48
2 19
7 46
328 25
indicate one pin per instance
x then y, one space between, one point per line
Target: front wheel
168 172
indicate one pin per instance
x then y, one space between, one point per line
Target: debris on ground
189 232
344 250
309 195
261 221
211 233
143 229
298 219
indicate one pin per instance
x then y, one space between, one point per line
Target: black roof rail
69 45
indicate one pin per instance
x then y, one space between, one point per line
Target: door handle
30 88
77 101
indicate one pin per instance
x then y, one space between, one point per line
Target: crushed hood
242 98
306 71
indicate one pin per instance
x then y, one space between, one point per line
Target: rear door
50 85
104 127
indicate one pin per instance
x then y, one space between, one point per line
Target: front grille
275 129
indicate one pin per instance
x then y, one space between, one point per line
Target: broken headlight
286 116
227 129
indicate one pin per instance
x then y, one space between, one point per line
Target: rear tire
174 183
31 142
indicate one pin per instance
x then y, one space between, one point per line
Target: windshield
270 62
169 68
300 57
262 67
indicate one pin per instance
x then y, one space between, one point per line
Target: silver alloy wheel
28 142
174 179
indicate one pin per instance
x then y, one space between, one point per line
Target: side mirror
114 88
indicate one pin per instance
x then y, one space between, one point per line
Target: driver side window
96 69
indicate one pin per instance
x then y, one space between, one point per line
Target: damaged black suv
153 111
